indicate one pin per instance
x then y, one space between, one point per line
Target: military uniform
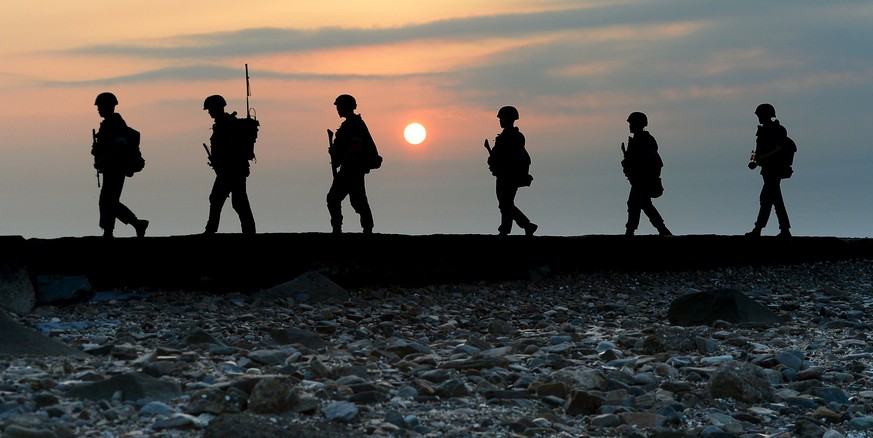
642 166
108 155
510 163
352 149
231 167
769 136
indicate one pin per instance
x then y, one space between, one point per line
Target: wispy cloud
206 72
248 42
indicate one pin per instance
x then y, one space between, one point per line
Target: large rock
704 308
742 382
133 387
294 335
16 290
18 340
581 378
63 289
310 287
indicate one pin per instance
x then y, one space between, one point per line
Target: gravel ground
569 356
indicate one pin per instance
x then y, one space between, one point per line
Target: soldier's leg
360 203
338 191
239 200
652 213
506 204
217 197
124 215
766 201
633 211
110 194
779 207
517 215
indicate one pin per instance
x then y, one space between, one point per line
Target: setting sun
414 133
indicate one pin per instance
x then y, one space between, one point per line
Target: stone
582 403
273 395
293 335
341 411
704 308
741 382
200 336
17 293
17 340
132 386
62 289
310 287
580 378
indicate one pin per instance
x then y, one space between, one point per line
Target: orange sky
574 68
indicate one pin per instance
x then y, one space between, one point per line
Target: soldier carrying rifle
509 161
353 154
641 164
773 153
229 158
108 150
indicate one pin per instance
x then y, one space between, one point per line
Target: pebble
571 355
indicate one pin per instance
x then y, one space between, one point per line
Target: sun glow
414 133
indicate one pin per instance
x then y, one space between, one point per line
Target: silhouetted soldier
352 154
230 161
642 166
509 161
774 154
109 150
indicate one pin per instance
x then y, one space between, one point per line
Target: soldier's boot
336 217
140 226
530 229
663 231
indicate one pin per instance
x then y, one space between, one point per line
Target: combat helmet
765 110
346 101
106 98
508 112
638 117
214 101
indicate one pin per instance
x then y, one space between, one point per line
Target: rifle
624 158
249 110
208 155
330 145
487 146
94 137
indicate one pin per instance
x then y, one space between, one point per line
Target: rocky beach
739 350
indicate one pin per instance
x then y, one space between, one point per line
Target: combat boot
530 229
140 226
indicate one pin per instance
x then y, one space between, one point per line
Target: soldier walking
774 153
510 162
230 161
353 154
109 151
642 166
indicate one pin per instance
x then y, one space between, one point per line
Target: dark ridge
238 263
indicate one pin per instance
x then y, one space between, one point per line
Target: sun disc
414 133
